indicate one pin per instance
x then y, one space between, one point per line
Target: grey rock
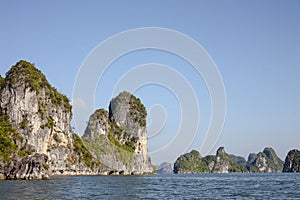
292 161
118 138
266 161
29 167
165 168
41 117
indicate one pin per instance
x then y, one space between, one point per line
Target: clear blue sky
255 45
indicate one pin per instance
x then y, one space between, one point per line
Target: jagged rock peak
127 109
221 150
292 161
36 118
266 161
118 138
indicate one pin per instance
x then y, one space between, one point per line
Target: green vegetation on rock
292 161
25 72
80 148
266 161
190 163
137 110
8 138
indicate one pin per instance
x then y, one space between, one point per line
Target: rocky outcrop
221 163
224 164
26 168
190 163
266 161
165 168
36 119
292 161
118 138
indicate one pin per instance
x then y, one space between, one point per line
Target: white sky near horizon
254 44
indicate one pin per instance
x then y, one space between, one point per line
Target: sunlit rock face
41 116
118 138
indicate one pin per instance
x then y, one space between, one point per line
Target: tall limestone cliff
118 138
292 161
266 161
38 117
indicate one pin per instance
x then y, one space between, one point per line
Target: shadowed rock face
118 138
26 168
292 161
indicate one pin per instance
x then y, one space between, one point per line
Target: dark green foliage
56 137
24 123
80 148
25 72
138 110
127 146
273 162
233 166
46 166
8 136
190 163
2 82
208 159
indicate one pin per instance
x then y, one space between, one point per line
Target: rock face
118 138
165 168
193 163
224 164
292 161
38 117
266 161
26 168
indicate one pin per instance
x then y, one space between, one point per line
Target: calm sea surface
202 186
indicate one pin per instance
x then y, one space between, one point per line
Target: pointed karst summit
124 126
36 137
292 161
266 161
35 128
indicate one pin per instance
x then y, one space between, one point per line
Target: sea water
191 186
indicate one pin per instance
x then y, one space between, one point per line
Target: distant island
37 142
222 162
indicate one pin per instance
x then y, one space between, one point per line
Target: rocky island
193 162
37 141
292 161
124 126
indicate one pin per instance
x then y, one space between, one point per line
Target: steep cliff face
41 116
266 161
292 161
118 138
